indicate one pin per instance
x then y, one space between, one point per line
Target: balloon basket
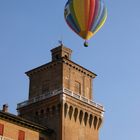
85 44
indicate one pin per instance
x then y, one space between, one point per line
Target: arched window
66 56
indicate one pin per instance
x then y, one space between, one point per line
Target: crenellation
85 118
99 123
70 112
95 122
81 115
76 113
90 120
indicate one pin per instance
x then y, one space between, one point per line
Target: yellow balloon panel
79 10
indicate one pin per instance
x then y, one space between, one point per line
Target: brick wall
13 131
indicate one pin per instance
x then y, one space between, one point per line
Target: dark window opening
57 56
36 113
41 138
66 56
42 112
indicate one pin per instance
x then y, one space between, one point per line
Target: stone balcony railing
57 92
5 138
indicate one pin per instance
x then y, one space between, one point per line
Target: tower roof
62 54
61 51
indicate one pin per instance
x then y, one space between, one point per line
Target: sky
29 29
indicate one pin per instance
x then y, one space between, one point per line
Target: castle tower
61 98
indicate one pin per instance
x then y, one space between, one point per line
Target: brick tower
60 97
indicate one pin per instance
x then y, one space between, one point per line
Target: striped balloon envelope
85 17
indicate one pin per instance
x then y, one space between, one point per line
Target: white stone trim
57 92
5 138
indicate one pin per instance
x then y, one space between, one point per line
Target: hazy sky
30 28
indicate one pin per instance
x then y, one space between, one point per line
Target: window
67 82
57 56
36 113
77 87
45 86
42 112
1 129
21 135
66 56
41 138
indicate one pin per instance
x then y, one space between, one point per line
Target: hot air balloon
85 17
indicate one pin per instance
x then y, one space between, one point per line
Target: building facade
13 127
61 98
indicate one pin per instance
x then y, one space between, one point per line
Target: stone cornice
42 67
78 67
62 60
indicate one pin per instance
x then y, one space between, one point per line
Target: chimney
5 108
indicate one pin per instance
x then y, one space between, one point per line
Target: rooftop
23 122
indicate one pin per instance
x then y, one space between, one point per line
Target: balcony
5 138
39 98
57 92
82 98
